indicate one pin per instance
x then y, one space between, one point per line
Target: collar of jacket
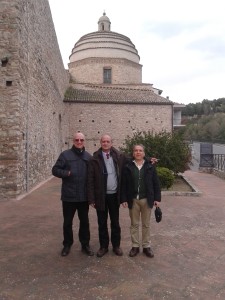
113 152
147 164
78 151
84 155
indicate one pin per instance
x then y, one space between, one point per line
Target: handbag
158 214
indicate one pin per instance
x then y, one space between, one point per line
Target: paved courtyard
189 246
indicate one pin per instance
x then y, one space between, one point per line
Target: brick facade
118 120
91 70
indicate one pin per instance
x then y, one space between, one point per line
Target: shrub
166 177
173 153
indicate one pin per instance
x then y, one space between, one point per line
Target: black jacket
151 181
97 177
74 186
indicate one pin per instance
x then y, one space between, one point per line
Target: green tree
209 128
171 150
206 107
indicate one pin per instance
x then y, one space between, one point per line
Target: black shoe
134 251
102 251
87 250
65 251
148 252
118 251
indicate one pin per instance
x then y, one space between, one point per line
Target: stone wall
118 120
32 86
91 70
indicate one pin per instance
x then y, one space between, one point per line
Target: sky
181 43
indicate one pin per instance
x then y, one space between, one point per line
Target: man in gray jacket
71 166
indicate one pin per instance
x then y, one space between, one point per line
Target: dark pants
111 207
69 209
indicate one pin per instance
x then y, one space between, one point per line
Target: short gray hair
140 145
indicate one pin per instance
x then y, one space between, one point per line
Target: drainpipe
172 114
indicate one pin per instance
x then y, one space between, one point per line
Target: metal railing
219 162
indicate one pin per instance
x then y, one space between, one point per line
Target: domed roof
104 18
104 43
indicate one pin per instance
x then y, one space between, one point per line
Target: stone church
43 104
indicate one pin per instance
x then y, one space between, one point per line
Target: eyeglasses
77 140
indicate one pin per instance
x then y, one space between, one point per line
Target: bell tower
104 23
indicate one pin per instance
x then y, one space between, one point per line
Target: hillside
204 121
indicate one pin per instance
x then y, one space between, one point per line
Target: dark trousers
111 207
69 209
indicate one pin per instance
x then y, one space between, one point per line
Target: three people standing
98 181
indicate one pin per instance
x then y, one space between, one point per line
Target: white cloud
181 43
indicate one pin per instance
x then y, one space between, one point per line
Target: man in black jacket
104 175
71 166
140 192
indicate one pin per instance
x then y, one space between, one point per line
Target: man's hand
156 203
92 205
154 160
124 204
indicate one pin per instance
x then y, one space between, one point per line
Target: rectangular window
107 75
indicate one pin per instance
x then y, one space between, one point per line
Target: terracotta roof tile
112 94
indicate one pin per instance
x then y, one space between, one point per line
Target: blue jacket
74 186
